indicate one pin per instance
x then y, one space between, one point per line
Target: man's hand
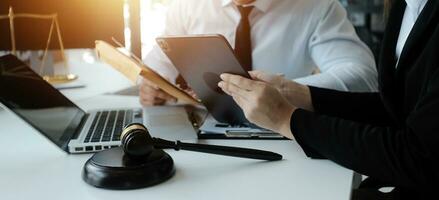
296 94
190 92
151 95
262 104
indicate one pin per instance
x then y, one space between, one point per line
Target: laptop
26 94
201 59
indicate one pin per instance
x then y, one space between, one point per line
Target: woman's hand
296 94
262 104
278 81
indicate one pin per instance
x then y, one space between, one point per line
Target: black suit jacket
392 135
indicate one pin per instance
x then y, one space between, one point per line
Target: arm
345 105
346 63
405 156
360 107
268 101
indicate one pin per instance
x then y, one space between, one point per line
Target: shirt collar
262 5
416 5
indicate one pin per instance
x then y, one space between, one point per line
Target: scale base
111 169
58 79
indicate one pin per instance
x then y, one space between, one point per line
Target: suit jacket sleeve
406 156
361 107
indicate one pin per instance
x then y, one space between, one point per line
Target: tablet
201 59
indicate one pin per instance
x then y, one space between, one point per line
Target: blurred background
137 22
133 23
366 15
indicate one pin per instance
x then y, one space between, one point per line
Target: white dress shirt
412 12
290 37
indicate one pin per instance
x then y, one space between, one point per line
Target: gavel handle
219 150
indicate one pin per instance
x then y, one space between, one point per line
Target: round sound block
111 169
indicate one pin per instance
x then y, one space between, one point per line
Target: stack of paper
132 68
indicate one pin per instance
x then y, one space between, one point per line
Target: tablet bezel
200 59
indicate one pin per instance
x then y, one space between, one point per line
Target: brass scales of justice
54 79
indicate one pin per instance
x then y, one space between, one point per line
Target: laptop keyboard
107 125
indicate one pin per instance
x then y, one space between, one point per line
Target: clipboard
131 68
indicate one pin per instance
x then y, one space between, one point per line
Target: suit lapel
387 61
417 37
388 50
390 79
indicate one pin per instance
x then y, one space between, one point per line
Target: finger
192 94
189 91
164 96
256 74
242 82
233 90
157 98
148 89
147 102
159 101
146 82
147 99
149 96
152 101
261 76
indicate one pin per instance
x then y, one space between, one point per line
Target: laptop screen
25 93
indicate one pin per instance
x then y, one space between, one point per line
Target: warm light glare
88 57
152 16
126 12
127 32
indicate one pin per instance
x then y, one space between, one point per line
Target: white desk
31 167
98 77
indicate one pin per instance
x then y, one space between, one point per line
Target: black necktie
243 45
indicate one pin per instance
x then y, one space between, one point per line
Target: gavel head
136 141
